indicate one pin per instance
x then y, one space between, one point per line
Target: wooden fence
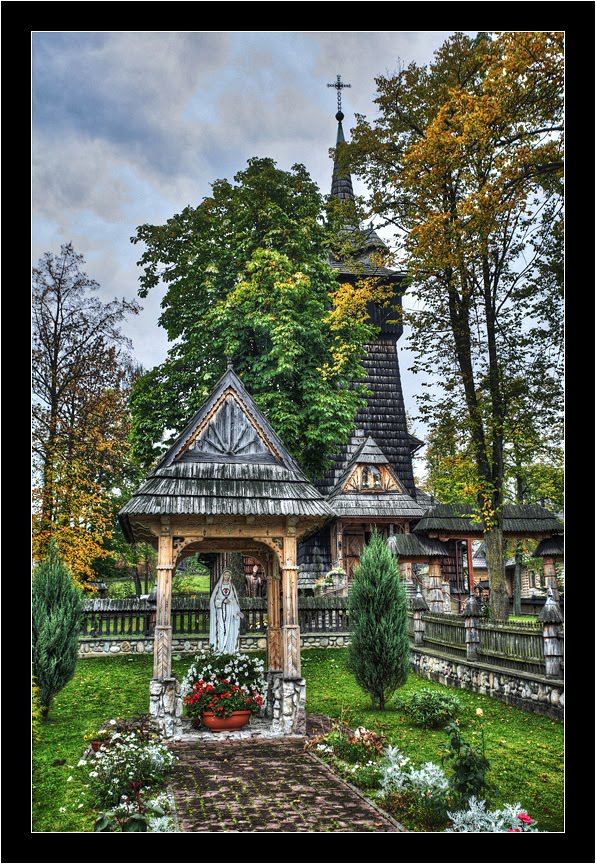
445 631
513 646
190 616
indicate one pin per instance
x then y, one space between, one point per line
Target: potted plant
97 738
221 691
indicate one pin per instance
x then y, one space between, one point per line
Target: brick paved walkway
266 786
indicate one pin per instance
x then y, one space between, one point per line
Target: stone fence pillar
472 611
419 605
551 618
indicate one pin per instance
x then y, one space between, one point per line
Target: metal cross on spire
339 86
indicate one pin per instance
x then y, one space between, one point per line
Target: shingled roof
518 520
411 546
227 461
552 547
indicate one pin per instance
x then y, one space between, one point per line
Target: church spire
341 182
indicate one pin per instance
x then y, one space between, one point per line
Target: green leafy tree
248 278
379 652
56 614
465 160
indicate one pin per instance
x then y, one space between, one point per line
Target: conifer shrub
379 652
56 617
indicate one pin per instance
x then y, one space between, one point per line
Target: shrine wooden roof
227 461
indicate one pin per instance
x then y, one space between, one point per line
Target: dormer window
371 477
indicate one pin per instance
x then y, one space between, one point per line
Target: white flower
69 779
93 774
79 806
62 809
81 763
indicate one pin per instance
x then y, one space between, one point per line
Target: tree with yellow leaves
81 377
465 160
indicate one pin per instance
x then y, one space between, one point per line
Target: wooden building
371 480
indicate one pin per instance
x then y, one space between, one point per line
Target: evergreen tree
379 653
56 613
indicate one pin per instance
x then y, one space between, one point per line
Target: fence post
551 618
471 613
435 593
419 605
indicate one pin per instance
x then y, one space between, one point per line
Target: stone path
266 785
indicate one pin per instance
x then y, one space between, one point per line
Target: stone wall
522 689
97 647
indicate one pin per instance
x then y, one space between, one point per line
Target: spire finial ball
339 116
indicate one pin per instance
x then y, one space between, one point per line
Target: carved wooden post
340 546
472 611
550 577
435 594
551 618
162 656
419 605
290 629
274 658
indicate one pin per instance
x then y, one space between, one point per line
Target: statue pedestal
165 705
286 704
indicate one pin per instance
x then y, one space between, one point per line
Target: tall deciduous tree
465 160
379 652
81 378
247 277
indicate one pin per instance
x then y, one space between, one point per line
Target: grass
526 749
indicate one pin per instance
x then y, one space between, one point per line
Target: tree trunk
499 599
137 580
517 578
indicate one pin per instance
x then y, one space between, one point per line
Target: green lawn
526 749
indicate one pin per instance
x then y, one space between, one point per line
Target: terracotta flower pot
237 720
95 745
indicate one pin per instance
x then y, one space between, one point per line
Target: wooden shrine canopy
229 484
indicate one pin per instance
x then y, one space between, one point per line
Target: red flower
523 817
513 830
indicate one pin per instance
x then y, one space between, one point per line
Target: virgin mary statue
224 620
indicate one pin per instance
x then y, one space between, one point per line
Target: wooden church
371 481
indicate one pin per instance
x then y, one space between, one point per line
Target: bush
379 652
420 792
470 766
511 818
124 767
121 589
430 709
56 622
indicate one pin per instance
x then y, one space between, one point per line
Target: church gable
372 478
369 471
228 434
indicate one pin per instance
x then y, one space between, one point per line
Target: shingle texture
526 519
228 461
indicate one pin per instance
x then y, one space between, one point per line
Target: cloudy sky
130 127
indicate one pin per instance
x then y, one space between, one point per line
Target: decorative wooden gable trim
372 478
228 433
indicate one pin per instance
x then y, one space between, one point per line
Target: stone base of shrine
165 705
286 704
